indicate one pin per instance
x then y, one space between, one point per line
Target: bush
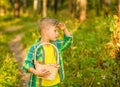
9 74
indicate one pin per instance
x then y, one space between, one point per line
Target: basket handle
46 44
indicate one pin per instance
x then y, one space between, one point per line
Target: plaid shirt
29 61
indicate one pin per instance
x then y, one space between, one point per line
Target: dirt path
19 53
11 29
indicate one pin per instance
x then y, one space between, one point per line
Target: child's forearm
64 29
32 70
66 32
37 73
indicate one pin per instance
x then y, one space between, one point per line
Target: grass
86 62
9 73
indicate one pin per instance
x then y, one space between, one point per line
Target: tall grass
9 73
87 63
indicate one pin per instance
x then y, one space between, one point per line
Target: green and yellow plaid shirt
34 81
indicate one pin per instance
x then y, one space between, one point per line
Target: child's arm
68 38
64 29
37 73
28 64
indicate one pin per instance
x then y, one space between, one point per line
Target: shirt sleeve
28 62
65 43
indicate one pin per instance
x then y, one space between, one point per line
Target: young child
48 28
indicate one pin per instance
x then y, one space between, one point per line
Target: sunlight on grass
9 74
87 62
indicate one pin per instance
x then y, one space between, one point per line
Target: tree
24 5
106 6
39 6
61 3
16 8
44 8
119 11
4 5
55 6
82 7
98 6
71 6
35 5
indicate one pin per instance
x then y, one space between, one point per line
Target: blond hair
45 23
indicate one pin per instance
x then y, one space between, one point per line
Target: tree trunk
39 6
35 5
82 6
2 11
71 6
17 8
44 8
106 6
119 11
24 6
62 2
98 6
55 6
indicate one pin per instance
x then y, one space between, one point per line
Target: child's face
52 33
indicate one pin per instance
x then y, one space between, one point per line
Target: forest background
93 60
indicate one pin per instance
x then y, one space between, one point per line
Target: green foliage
9 76
86 62
5 3
9 73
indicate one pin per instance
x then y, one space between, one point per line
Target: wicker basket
49 67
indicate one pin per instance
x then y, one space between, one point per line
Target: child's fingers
43 73
46 72
60 25
57 66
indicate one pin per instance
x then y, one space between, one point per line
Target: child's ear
46 31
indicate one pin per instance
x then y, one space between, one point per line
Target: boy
47 27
